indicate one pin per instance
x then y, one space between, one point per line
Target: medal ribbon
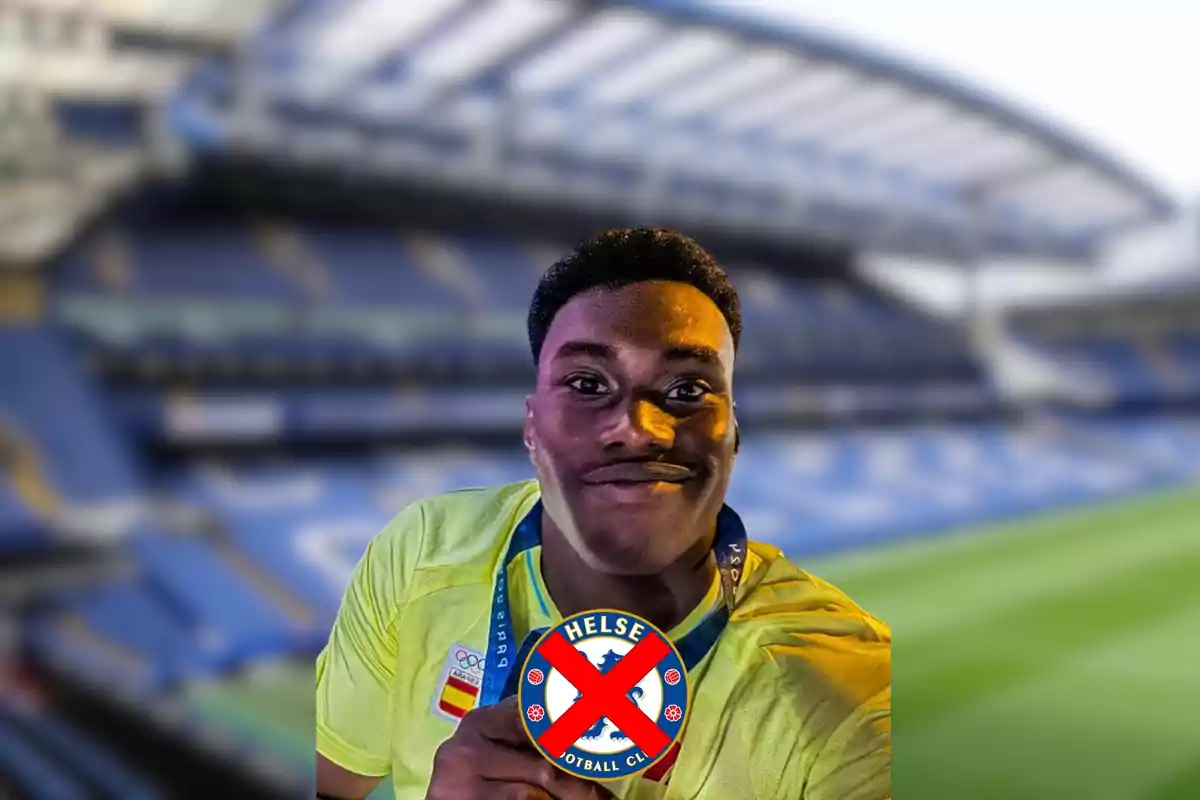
501 673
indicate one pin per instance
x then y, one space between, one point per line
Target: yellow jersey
793 702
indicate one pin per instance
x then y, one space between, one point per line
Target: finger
584 791
500 723
568 787
517 791
487 790
503 764
505 754
554 783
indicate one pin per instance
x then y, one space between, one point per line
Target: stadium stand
1184 348
259 569
34 773
202 607
48 754
1144 346
142 633
20 526
111 124
261 575
63 419
430 305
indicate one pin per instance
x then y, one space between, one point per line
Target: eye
587 385
688 392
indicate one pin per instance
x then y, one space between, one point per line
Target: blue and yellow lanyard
500 677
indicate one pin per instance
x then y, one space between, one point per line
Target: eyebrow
701 353
693 352
581 348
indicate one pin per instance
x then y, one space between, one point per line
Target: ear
530 439
737 431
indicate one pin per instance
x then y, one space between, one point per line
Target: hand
490 757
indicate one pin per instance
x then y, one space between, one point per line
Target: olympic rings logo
467 660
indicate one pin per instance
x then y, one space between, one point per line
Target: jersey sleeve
856 761
356 670
810 721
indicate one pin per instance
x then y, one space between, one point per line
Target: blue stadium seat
69 647
215 261
507 272
109 123
1120 362
1185 348
54 407
306 527
20 528
75 271
82 756
129 615
37 774
219 604
374 268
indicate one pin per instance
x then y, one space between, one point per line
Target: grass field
1055 658
1050 658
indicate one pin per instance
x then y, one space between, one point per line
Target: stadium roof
74 78
672 109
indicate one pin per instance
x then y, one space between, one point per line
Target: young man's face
631 427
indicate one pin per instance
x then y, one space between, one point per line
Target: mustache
641 470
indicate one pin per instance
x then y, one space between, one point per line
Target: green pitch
1051 658
1058 658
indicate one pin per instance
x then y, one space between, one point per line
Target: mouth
640 473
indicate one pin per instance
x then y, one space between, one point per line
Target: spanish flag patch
458 686
458 697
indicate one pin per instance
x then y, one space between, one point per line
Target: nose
642 427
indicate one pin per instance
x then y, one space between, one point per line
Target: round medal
604 695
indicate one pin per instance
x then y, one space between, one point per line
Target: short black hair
624 256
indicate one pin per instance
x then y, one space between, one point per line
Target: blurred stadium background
263 274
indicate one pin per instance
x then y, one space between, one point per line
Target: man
632 433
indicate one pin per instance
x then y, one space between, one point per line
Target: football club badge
604 695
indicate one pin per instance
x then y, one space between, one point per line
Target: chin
630 549
634 531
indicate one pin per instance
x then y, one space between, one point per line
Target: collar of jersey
533 560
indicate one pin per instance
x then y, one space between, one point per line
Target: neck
664 599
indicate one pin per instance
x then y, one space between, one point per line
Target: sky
1122 75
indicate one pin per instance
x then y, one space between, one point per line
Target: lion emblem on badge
610 660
